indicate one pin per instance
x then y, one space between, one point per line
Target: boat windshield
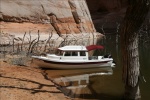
71 53
59 53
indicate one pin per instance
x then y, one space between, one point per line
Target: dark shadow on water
101 96
92 95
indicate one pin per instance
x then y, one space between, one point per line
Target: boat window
74 53
67 53
82 53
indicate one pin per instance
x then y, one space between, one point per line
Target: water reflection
77 83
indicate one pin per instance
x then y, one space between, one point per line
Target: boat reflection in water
76 83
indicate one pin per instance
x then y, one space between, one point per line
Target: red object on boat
93 47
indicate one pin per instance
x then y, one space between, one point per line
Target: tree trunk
135 16
131 68
132 93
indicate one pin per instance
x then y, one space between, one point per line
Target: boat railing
93 58
73 58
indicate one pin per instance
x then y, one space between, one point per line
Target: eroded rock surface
63 16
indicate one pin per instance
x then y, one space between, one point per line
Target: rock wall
107 15
106 5
62 16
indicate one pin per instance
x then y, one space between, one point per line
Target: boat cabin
73 52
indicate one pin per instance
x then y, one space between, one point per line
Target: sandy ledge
26 83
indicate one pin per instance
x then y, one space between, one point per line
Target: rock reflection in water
76 83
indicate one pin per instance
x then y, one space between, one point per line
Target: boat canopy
81 48
73 48
93 47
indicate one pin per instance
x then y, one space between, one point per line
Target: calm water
91 84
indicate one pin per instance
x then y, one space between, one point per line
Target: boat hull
70 65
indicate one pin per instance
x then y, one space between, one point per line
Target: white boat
74 57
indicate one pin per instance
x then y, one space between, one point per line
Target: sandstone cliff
62 16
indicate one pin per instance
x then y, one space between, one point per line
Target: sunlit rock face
61 16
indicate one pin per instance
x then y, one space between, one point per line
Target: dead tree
135 16
35 43
64 42
18 48
29 39
13 44
50 36
23 40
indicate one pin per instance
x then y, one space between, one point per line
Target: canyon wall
61 16
107 15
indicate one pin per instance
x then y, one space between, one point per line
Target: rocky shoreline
26 83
